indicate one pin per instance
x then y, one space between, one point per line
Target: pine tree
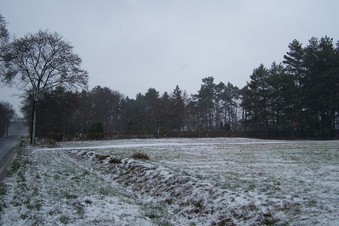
295 66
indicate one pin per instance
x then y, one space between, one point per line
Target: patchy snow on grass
220 181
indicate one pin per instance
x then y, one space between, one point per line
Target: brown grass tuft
140 155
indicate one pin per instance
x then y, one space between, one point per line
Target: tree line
101 111
297 98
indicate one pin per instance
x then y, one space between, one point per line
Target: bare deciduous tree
40 62
4 37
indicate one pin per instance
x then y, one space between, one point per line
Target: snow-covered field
221 181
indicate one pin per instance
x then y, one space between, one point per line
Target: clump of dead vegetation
140 155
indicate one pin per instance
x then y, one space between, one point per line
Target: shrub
114 161
16 165
140 155
2 193
105 191
64 219
96 128
101 157
2 190
50 143
96 132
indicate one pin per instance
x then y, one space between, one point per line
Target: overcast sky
132 45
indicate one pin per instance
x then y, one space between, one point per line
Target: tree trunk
33 123
301 123
7 127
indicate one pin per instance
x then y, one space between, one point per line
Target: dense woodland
298 98
102 110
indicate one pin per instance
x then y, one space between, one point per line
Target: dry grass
140 155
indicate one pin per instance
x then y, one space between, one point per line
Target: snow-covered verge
185 182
